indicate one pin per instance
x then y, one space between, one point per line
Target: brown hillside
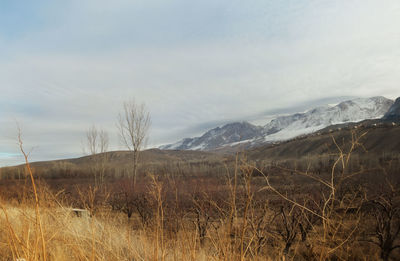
377 140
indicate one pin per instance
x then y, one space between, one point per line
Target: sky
65 65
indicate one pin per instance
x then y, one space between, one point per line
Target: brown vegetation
337 206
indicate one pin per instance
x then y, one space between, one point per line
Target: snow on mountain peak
288 126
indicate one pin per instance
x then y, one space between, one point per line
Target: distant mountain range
290 126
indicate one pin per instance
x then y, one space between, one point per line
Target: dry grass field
327 207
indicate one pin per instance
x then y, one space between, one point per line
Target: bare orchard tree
97 143
133 125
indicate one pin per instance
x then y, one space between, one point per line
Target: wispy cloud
66 65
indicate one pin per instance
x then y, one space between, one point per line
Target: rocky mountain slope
394 112
288 126
218 137
381 138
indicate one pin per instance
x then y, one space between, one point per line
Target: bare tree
387 226
133 125
97 143
332 208
384 210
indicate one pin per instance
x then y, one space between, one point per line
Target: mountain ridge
394 111
287 126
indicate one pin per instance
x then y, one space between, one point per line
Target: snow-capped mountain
219 137
287 127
